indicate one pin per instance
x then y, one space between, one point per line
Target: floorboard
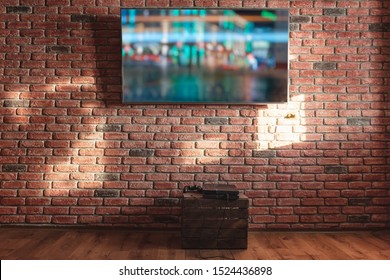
102 244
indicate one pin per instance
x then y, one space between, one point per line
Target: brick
64 219
299 19
311 218
375 210
90 219
8 219
55 210
381 201
38 201
324 65
216 121
263 219
14 168
157 3
264 154
207 3
115 219
107 193
335 169
278 4
18 9
106 177
141 152
358 121
312 202
181 3
58 49
115 201
108 128
335 218
16 103
83 18
358 218
57 2
334 12
379 27
293 27
38 219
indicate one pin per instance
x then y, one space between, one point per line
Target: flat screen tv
205 56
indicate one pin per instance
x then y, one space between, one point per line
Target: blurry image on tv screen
227 56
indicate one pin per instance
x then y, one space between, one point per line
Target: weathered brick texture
71 153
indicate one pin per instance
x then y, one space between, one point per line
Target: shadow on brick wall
106 42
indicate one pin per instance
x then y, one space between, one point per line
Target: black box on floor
219 191
214 223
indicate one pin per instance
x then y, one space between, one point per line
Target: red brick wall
70 153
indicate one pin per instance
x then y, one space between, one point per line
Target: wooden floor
81 244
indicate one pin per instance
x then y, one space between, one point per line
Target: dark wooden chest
214 223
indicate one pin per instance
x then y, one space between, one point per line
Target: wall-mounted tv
205 56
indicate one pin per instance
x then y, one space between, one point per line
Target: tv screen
205 56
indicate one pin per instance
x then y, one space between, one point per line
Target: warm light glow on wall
279 126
